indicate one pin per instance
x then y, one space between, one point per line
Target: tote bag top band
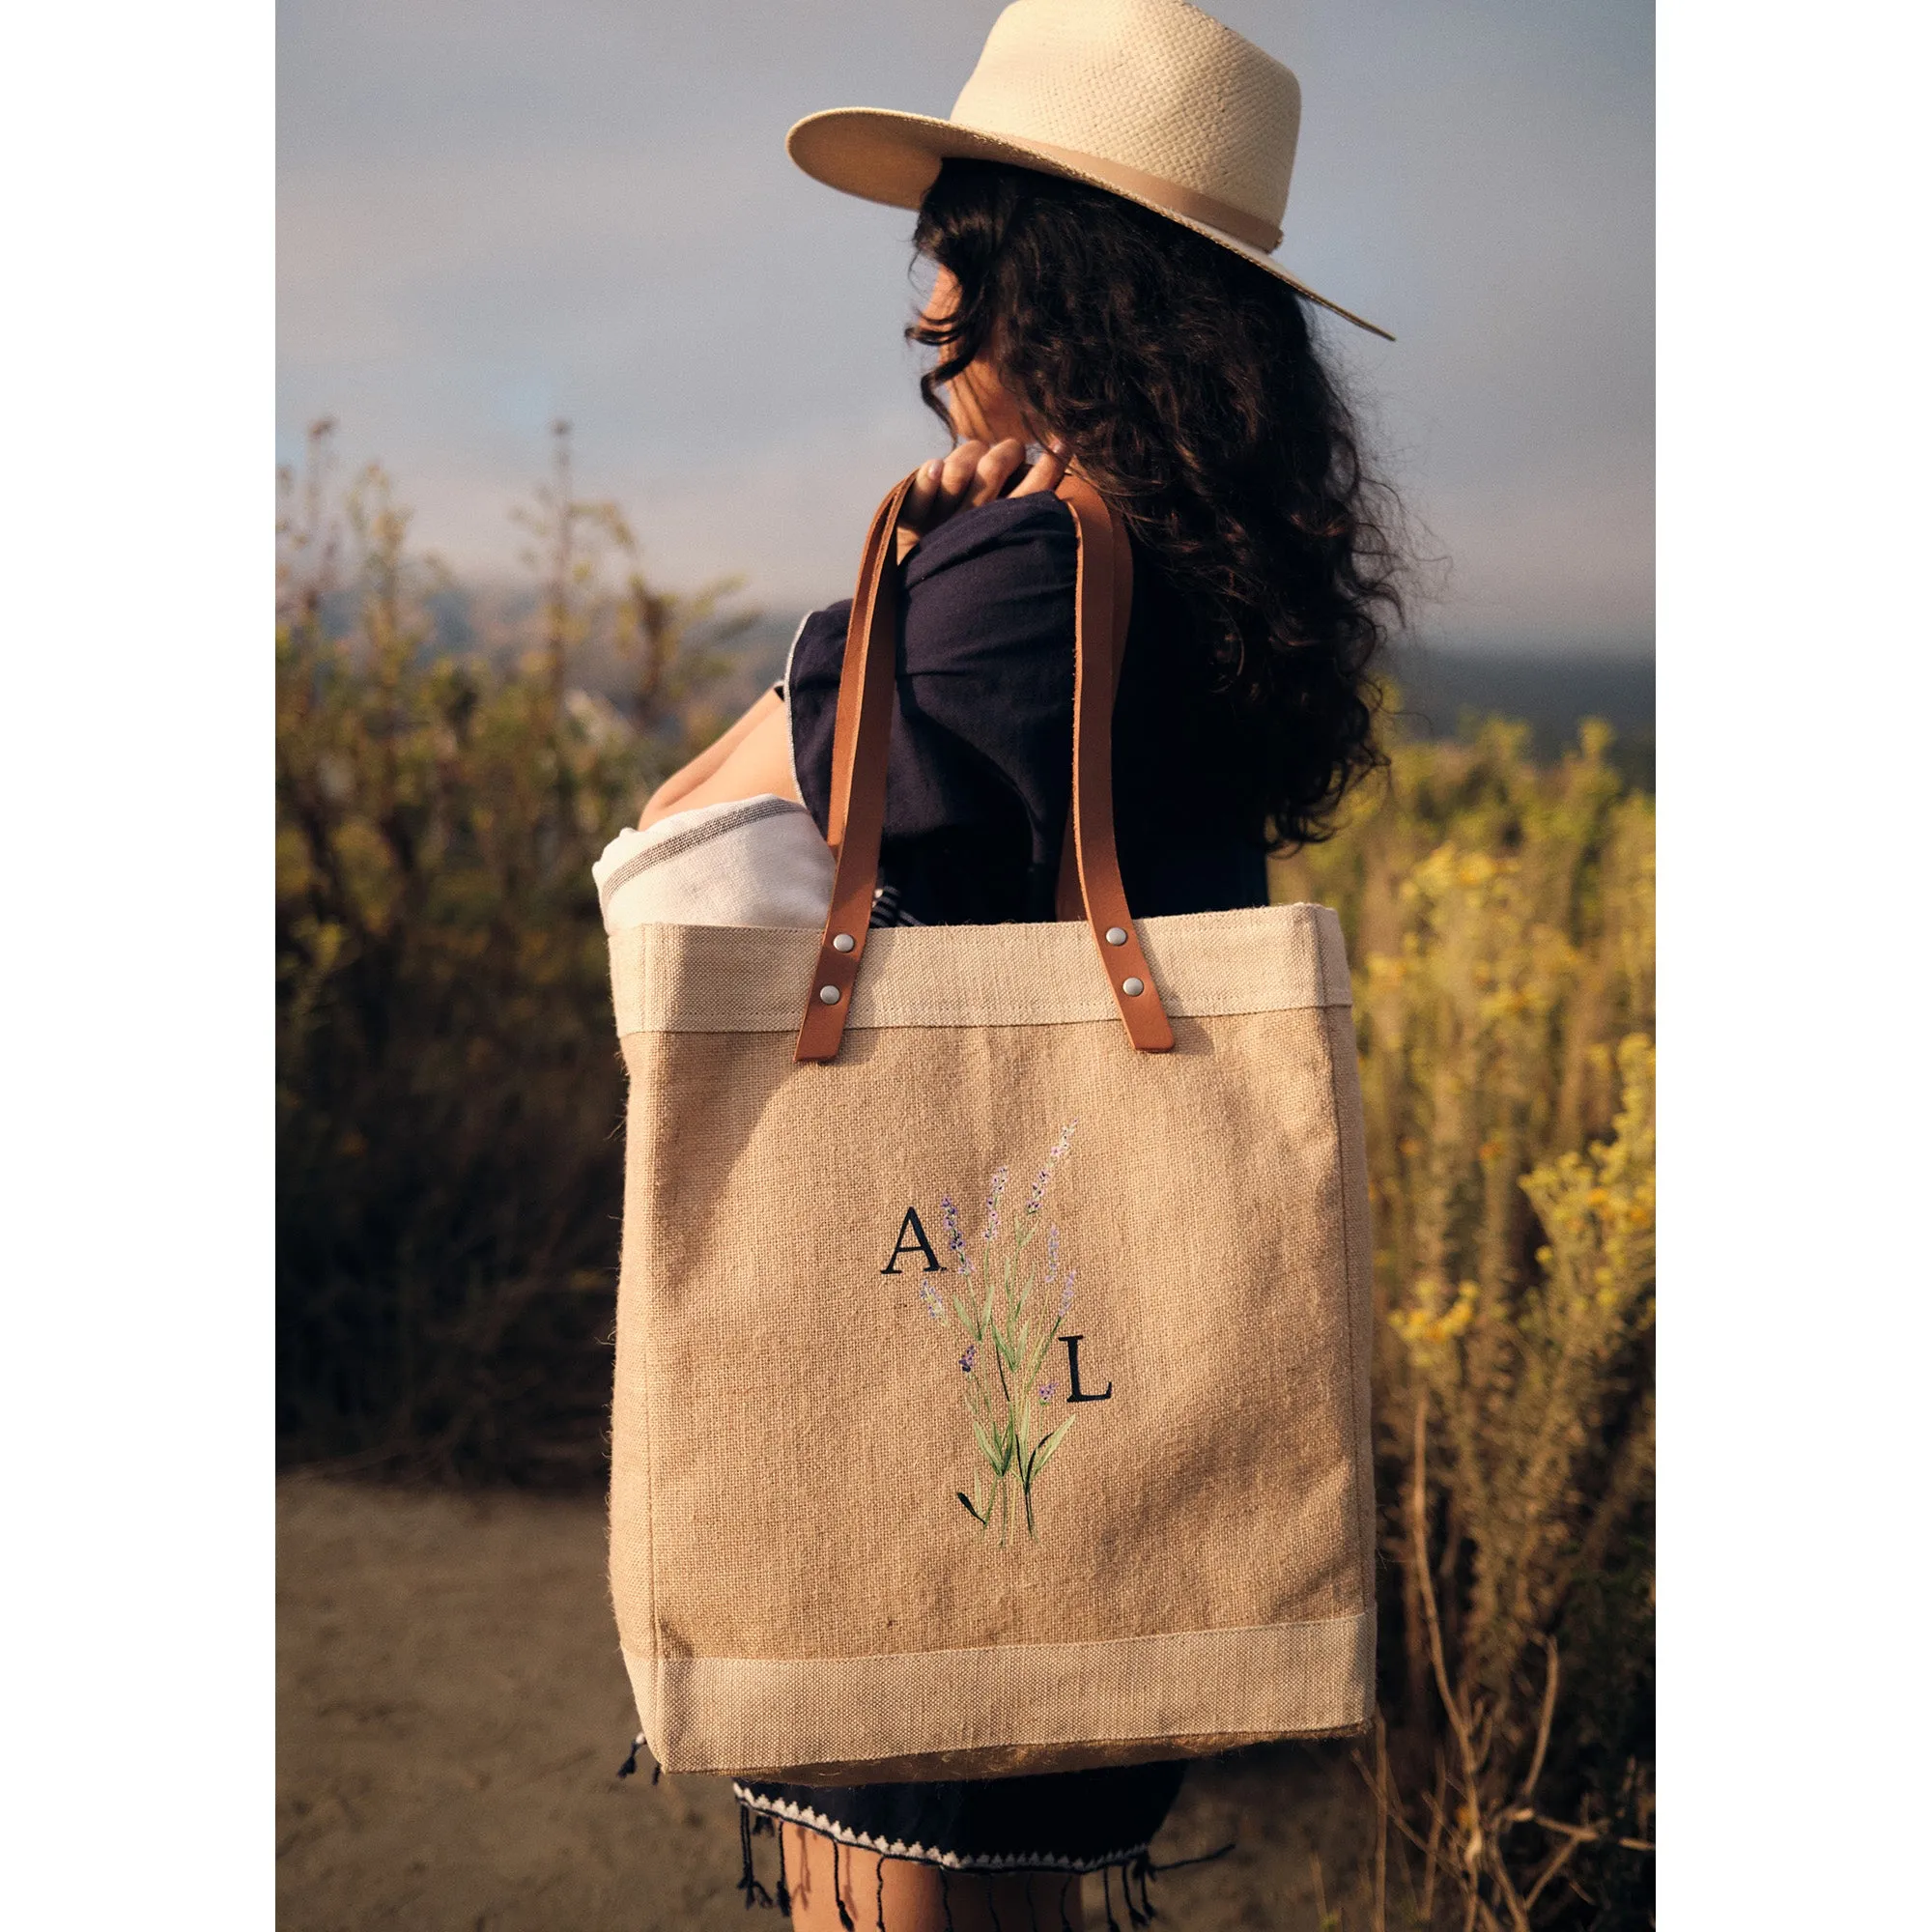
737 979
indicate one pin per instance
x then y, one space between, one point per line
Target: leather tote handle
862 740
1067 904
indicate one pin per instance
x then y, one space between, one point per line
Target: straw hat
1153 100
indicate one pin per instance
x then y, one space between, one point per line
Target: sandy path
452 1709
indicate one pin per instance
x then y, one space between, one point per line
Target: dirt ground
453 1711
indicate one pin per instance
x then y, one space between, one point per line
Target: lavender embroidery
1009 1334
955 1241
993 1193
1044 1177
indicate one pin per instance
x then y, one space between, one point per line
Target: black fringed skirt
1076 1821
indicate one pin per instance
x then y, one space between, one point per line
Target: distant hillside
1440 688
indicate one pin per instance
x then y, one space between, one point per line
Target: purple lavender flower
1052 1257
1045 1175
1046 1390
935 1305
1066 1293
993 1193
954 1240
967 1360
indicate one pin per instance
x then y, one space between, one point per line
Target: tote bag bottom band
1008 1709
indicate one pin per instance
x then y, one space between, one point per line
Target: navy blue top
981 769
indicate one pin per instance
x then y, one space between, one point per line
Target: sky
498 212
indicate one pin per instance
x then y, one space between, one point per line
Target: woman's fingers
1045 473
940 488
957 473
991 473
922 496
969 475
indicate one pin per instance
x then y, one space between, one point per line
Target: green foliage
448 1091
1501 919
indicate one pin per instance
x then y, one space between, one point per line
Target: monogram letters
917 1244
1075 1392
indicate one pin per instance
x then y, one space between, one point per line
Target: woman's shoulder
991 591
991 584
1028 536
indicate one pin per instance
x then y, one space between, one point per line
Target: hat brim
879 155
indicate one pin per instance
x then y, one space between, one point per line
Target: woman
1178 372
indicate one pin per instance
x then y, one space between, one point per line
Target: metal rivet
1117 935
828 995
1132 986
842 942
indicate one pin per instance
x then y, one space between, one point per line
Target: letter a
918 1244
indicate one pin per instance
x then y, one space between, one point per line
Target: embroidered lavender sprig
1009 1407
962 1262
1055 1154
993 1193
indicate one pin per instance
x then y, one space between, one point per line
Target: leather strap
862 740
858 632
856 816
1066 901
1103 592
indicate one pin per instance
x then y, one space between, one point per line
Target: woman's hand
975 474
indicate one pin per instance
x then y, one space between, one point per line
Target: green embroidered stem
1009 1429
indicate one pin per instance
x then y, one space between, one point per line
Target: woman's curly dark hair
1187 385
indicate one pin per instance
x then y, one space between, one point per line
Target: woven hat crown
1152 99
1157 85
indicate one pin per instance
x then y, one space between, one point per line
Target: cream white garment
746 862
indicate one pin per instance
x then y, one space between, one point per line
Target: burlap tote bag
993 1347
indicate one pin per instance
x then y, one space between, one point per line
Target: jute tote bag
993 1324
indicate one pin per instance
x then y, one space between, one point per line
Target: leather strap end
823 1029
1146 1018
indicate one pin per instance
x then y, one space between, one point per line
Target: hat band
1171 195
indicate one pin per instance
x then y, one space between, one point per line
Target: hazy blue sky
494 212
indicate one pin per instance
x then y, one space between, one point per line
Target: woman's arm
754 755
752 758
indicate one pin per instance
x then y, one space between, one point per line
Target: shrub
448 1089
1500 920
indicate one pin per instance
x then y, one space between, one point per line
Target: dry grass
1501 918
